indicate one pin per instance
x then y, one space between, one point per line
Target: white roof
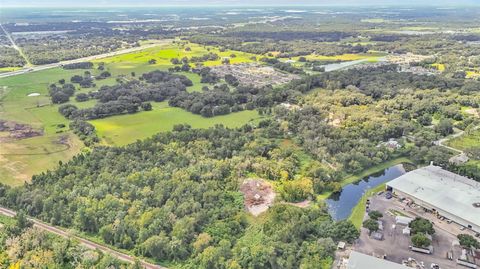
403 220
361 261
442 189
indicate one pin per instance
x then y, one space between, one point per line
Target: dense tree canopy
176 197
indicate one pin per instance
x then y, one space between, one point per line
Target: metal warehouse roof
442 189
361 261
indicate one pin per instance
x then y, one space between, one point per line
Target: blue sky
66 3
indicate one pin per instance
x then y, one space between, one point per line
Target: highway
84 59
87 243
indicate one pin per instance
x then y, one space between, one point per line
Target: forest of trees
134 198
175 197
9 57
23 246
79 65
39 51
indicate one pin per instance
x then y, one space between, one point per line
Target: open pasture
125 129
371 57
20 159
466 141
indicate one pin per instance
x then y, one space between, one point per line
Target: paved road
89 58
84 242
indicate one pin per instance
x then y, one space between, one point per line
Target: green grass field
20 159
9 69
140 59
466 141
4 220
371 57
125 129
16 105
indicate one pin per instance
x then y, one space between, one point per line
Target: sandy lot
258 195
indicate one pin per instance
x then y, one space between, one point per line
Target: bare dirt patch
473 112
258 195
302 204
253 74
17 131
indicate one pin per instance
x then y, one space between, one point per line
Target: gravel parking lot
395 244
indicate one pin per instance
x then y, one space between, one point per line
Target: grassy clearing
372 57
45 152
21 159
124 129
466 141
4 220
9 69
419 28
374 20
164 54
472 73
440 67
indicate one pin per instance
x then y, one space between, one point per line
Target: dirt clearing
17 131
258 195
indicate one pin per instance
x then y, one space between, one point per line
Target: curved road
87 243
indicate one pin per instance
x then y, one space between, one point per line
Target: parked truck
422 250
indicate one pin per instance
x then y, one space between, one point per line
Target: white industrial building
358 260
445 193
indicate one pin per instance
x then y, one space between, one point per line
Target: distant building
442 192
290 106
361 261
393 144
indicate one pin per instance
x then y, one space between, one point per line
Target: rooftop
442 189
361 261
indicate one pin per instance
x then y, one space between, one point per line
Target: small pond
340 205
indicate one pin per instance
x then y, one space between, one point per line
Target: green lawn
44 152
466 141
358 212
124 129
165 53
371 57
6 220
21 159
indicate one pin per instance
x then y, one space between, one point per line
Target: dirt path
446 139
84 242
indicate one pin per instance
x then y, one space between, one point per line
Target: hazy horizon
196 3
